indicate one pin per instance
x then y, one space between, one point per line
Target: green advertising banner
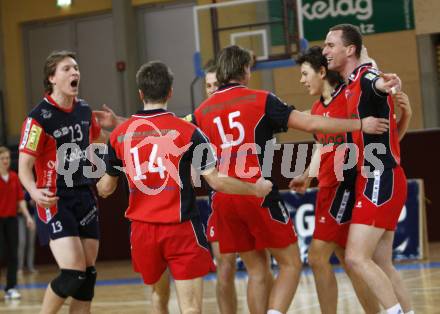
372 16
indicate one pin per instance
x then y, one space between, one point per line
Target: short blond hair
4 149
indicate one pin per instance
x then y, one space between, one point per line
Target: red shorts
181 247
379 200
333 213
244 225
211 232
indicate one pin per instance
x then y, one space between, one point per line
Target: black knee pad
68 282
87 290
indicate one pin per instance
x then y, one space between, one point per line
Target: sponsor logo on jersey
370 76
348 94
331 139
57 134
26 133
61 132
374 71
46 114
85 122
34 137
48 214
75 155
82 103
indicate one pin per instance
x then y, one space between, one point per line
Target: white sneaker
12 294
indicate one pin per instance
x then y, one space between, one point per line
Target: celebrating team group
225 142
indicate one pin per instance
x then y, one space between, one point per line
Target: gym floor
120 290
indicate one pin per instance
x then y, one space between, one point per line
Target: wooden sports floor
119 290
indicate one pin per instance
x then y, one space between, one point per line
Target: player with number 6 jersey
241 123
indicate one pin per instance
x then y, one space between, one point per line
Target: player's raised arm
388 83
228 185
301 183
107 118
109 182
402 101
313 123
204 161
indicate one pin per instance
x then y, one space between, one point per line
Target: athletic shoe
12 294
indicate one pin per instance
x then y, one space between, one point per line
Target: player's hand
391 83
263 187
100 187
106 186
365 58
402 101
44 198
300 184
372 125
106 117
30 223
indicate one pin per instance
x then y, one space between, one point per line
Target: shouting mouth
74 83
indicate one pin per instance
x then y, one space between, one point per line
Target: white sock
273 312
410 312
396 309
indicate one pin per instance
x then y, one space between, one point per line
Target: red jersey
46 129
363 100
157 149
11 193
336 108
240 122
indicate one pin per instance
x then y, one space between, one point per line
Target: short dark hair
316 59
155 80
50 66
231 64
351 35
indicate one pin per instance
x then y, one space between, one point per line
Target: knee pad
87 290
68 282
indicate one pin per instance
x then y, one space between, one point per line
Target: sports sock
396 309
273 312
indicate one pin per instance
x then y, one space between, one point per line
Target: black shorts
74 215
